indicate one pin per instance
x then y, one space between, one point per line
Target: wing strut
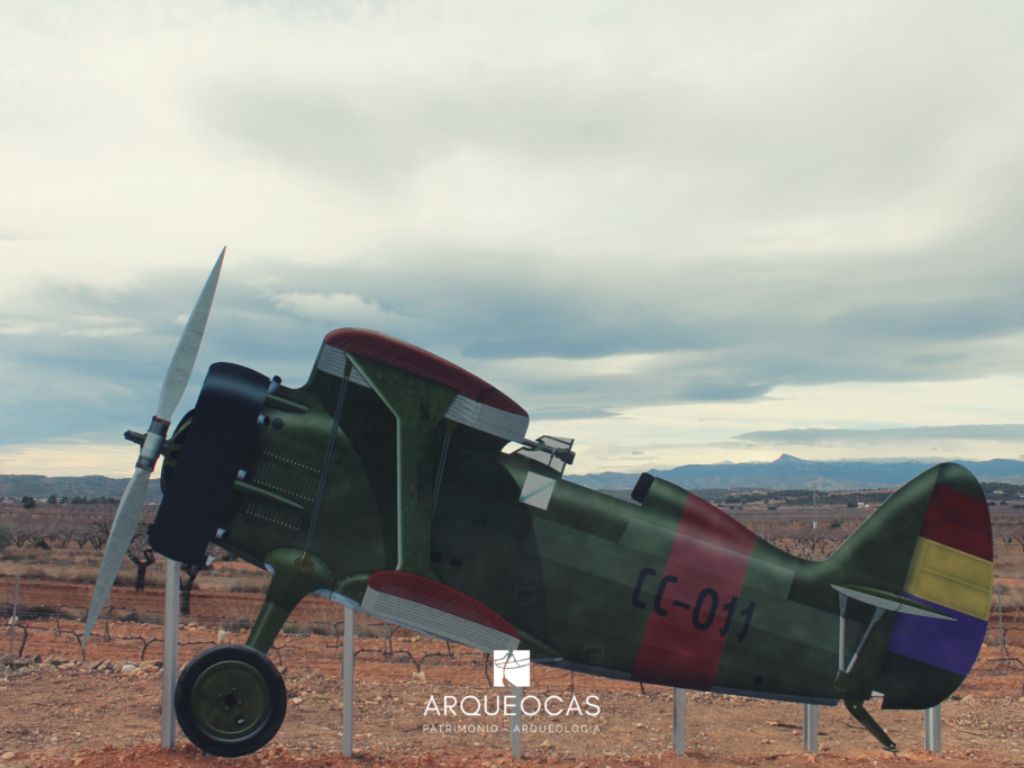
419 406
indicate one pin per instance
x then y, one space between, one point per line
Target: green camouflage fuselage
670 590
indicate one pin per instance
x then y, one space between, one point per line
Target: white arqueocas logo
511 668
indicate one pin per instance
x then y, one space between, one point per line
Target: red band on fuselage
689 624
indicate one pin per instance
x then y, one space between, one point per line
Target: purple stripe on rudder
950 645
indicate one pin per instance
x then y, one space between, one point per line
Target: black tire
230 700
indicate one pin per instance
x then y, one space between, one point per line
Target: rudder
951 570
930 542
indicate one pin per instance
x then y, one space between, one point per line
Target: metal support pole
933 729
14 614
811 729
171 617
679 720
347 672
517 723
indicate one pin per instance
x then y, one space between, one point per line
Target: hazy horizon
571 470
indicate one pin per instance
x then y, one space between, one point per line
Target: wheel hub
230 700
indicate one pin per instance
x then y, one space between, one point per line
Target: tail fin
930 543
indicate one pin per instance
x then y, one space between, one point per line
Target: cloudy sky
678 232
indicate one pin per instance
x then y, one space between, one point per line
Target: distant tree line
31 502
55 499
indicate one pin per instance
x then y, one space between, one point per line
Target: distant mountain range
87 486
785 473
790 473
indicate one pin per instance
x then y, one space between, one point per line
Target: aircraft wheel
230 700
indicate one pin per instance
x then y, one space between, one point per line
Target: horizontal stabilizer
889 601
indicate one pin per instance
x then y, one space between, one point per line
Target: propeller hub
153 445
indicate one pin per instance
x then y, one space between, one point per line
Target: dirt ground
58 709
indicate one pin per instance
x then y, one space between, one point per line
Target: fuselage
670 591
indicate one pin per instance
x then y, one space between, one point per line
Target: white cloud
601 208
331 306
664 436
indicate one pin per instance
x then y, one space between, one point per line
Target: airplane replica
382 483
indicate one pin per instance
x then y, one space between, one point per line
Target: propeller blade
129 510
185 354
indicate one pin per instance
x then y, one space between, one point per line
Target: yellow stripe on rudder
950 577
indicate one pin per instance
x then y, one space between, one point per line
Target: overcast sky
677 232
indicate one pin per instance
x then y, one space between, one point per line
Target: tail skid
856 708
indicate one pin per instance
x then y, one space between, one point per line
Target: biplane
399 484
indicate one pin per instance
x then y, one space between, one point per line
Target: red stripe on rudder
434 594
709 550
959 521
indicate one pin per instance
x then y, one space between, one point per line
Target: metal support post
14 614
933 729
347 672
811 728
679 720
517 723
171 616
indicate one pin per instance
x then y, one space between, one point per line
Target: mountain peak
788 459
